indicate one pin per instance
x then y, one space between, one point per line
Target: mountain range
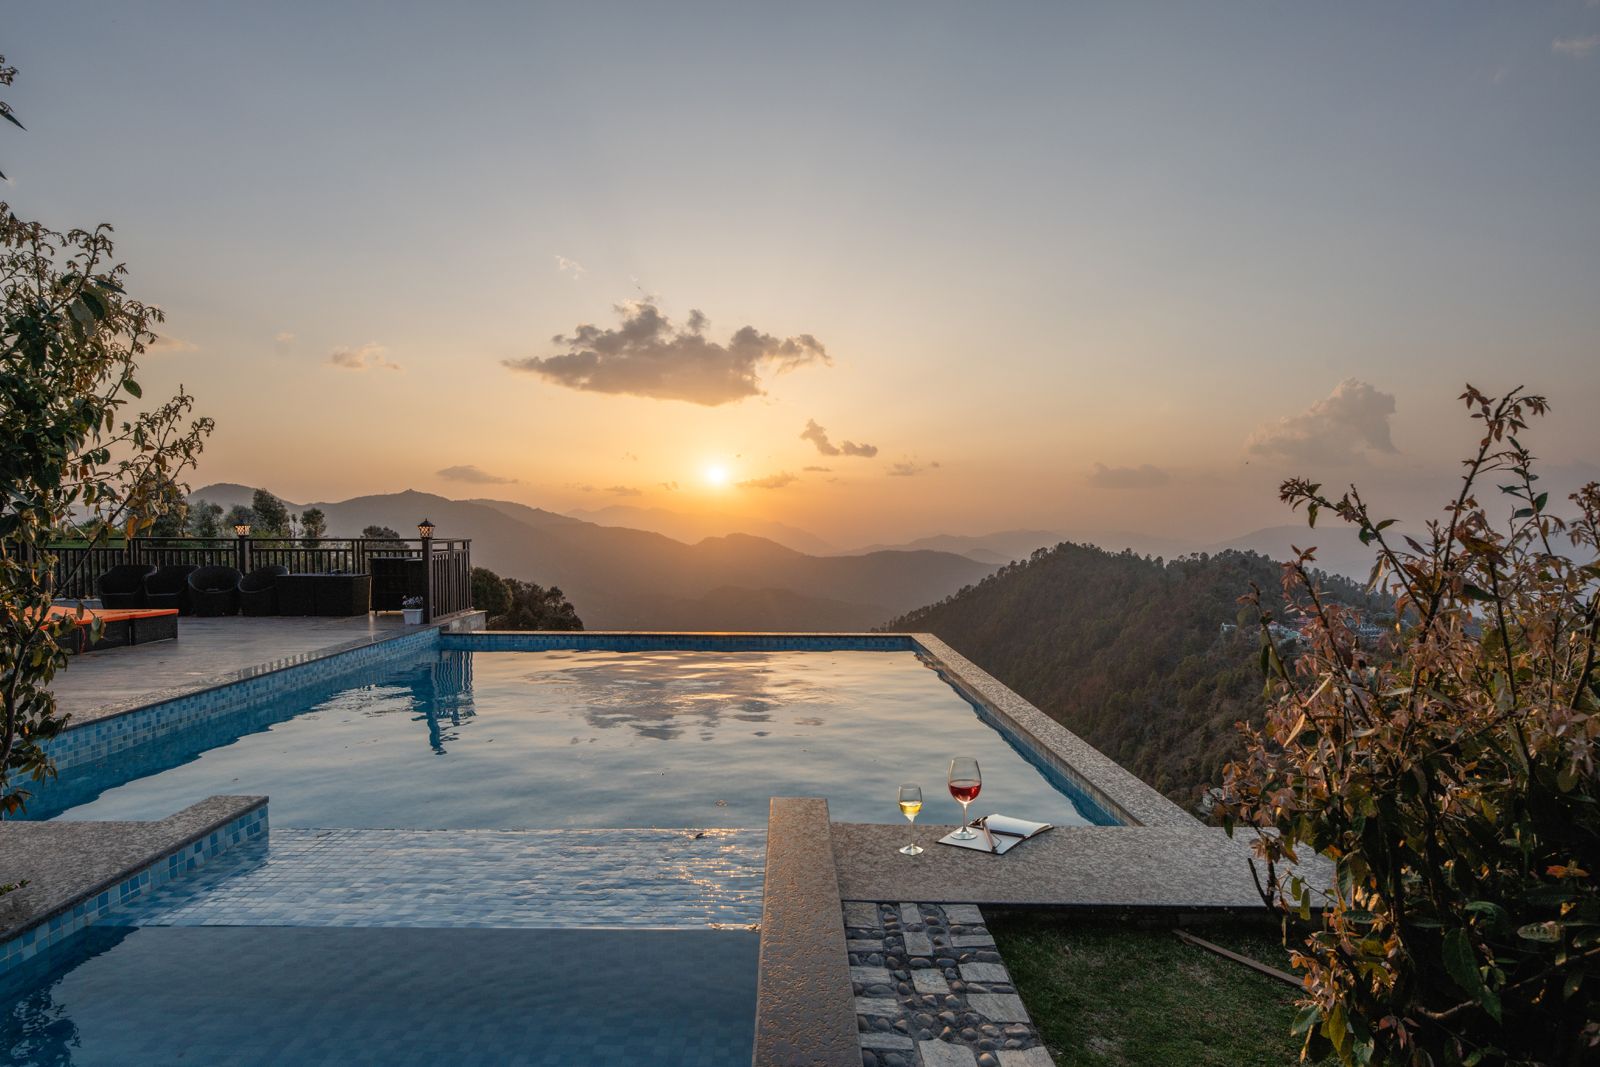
623 578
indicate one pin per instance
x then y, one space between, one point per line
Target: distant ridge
693 528
621 578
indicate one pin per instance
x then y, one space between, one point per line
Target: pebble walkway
931 990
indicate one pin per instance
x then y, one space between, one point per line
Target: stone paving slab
948 1005
655 879
1196 868
64 862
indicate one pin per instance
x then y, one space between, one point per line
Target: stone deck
211 652
1107 867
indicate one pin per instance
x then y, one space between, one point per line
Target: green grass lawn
1107 994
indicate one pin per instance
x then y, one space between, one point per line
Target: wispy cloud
370 356
1144 476
819 437
624 490
910 468
171 345
646 355
818 470
468 472
1575 47
1350 422
571 266
771 481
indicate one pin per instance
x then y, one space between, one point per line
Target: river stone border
931 990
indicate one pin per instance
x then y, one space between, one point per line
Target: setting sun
716 475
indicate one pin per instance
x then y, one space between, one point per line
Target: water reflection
664 697
34 1028
444 693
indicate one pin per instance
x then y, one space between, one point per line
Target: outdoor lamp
425 528
241 529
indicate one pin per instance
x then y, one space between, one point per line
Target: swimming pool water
454 739
282 995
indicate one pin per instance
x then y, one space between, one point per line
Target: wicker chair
214 591
258 594
123 585
168 587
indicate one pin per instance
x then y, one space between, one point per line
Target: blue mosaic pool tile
99 738
162 871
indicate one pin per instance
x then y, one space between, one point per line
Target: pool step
661 879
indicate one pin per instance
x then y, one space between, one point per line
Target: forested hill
1124 650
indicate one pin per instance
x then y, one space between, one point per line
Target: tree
313 526
1451 782
205 519
534 607
70 338
490 594
239 515
272 515
382 537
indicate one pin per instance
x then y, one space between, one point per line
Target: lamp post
425 531
241 530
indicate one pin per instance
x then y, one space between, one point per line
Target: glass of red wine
965 782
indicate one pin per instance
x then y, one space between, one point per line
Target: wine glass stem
966 820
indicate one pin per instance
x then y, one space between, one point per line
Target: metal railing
445 586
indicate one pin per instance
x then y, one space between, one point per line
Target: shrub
1451 781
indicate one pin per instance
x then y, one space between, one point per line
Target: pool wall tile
101 903
99 738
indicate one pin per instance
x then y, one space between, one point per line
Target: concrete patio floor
207 652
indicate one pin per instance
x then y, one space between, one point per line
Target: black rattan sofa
168 587
258 594
123 585
214 590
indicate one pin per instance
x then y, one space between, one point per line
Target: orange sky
1079 268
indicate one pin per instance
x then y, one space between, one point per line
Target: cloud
283 342
468 472
819 470
771 481
911 468
1350 422
624 490
1575 47
369 356
1143 476
819 437
668 486
647 356
571 266
170 345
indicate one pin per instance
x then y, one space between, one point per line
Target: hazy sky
1077 266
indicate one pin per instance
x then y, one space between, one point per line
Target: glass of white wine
910 804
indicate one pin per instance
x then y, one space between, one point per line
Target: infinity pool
450 739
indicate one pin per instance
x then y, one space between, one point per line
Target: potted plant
411 608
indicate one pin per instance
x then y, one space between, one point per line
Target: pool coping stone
805 1010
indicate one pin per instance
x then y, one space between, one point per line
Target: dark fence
444 584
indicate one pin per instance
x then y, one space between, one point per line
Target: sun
716 475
